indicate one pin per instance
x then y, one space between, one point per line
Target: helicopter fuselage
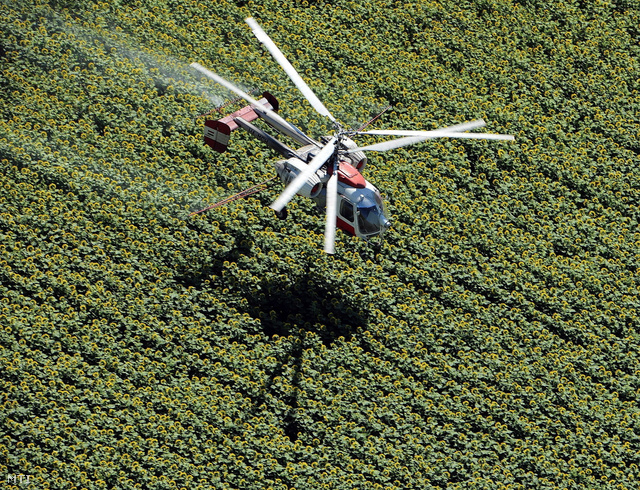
351 202
360 210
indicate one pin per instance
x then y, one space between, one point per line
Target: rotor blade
411 140
332 202
297 183
478 123
268 115
226 84
390 145
288 68
474 136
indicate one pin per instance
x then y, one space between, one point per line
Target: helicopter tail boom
218 132
266 138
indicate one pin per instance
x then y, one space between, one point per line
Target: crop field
491 340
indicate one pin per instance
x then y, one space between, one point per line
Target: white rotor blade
288 68
411 140
478 123
390 145
226 84
272 117
332 204
474 136
297 183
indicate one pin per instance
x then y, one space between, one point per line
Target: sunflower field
491 340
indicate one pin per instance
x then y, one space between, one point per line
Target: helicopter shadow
299 311
295 313
306 304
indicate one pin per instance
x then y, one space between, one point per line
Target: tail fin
216 135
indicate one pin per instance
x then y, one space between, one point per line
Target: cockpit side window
346 210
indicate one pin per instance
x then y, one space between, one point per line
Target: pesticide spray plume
114 56
164 70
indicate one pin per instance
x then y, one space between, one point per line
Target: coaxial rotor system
331 156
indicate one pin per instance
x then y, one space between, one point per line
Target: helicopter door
346 214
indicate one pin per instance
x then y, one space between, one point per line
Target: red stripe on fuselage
345 226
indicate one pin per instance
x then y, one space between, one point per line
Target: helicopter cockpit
368 220
370 212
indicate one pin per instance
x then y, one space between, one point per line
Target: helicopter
328 169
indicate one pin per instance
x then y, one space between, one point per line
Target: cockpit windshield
369 220
378 199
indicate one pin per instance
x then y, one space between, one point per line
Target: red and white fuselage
360 211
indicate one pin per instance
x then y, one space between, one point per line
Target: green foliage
492 342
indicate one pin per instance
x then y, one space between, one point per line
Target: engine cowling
357 159
290 169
